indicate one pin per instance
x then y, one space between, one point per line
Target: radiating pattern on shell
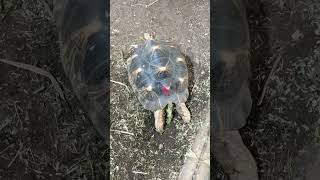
158 74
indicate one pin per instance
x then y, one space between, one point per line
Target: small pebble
160 146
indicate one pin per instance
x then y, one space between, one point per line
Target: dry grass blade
146 5
17 154
152 3
122 84
139 172
122 132
275 64
38 71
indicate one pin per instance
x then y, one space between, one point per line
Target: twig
122 84
6 148
38 71
17 114
146 5
275 64
151 3
139 172
122 132
74 166
15 157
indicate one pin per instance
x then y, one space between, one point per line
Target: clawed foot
159 120
184 112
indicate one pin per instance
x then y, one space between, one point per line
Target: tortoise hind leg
159 120
183 112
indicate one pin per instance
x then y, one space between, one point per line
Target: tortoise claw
159 120
184 112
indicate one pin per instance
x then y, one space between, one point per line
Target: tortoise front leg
159 120
183 112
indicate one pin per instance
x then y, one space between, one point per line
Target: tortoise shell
158 74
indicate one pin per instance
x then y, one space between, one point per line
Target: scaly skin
159 120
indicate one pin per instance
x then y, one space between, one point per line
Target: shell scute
158 74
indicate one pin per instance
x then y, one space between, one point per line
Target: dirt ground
141 152
41 137
56 141
283 132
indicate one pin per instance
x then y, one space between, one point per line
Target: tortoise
83 37
158 74
231 99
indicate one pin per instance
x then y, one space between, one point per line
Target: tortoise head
149 36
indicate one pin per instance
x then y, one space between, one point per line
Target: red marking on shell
165 90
